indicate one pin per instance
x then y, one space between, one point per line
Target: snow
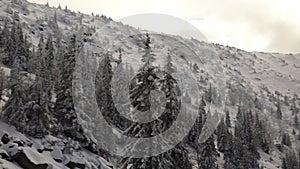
57 154
105 164
4 164
5 128
254 72
34 156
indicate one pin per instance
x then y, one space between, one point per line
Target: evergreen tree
290 161
224 139
226 145
140 88
148 57
2 82
64 110
13 111
103 90
207 156
296 121
15 45
195 132
260 135
169 67
48 67
227 119
294 108
286 140
278 111
246 153
38 111
208 94
284 163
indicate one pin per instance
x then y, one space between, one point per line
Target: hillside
228 79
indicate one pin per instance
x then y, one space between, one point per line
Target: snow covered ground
254 74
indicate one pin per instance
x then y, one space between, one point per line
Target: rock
105 164
20 143
74 161
11 148
74 165
38 146
27 158
4 154
57 155
5 138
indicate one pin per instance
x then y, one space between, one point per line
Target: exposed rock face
73 165
24 161
4 154
5 138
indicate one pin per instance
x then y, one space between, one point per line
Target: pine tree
169 67
207 157
284 163
48 67
223 137
278 111
227 119
294 108
148 57
296 121
140 88
64 110
5 36
245 153
208 94
1 38
39 113
290 161
2 83
13 112
195 132
40 106
103 90
286 140
230 157
260 135
226 145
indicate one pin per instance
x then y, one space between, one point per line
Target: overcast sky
252 25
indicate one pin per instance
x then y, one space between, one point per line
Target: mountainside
264 87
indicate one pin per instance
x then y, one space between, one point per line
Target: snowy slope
255 74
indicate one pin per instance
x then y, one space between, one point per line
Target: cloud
262 25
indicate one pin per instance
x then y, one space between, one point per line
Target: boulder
57 155
4 154
74 161
28 158
5 138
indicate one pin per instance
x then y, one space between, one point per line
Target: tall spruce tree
148 57
195 132
13 111
278 111
227 118
64 110
260 135
246 153
140 88
207 156
290 161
